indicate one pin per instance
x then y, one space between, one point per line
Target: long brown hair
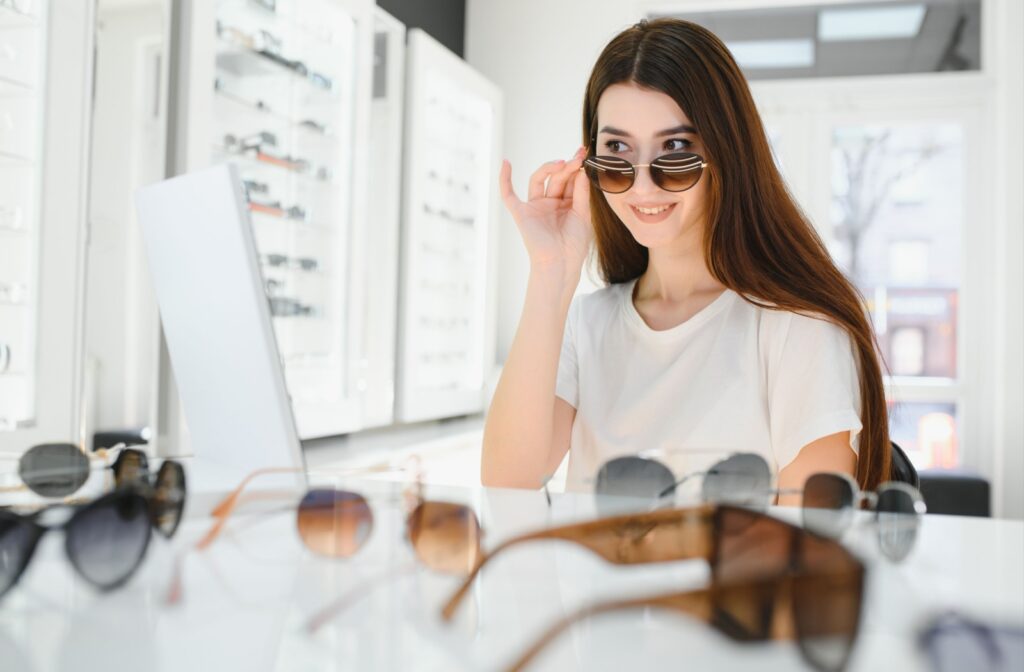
757 241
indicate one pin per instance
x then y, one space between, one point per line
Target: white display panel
218 327
453 127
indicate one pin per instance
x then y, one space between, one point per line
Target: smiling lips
654 210
652 214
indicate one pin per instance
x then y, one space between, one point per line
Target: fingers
541 175
580 187
558 182
508 193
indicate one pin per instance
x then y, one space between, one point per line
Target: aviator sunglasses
674 172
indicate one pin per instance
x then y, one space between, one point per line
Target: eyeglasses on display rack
284 261
269 46
769 580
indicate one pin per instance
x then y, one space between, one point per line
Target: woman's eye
677 145
616 146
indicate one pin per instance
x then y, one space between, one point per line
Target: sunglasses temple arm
331 611
448 611
696 603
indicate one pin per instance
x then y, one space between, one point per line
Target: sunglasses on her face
674 172
770 579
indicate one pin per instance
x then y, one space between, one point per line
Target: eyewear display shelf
22 54
447 306
246 600
283 111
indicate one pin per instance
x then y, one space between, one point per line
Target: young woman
725 322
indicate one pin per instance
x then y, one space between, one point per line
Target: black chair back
902 470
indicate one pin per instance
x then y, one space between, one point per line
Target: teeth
652 211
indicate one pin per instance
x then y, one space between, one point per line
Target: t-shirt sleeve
567 385
813 385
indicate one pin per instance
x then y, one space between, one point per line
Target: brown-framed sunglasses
336 523
445 536
674 172
770 579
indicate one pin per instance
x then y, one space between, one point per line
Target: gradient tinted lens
827 593
828 504
54 469
677 172
633 477
168 499
107 539
610 173
743 479
18 539
955 644
334 523
749 546
131 466
898 520
446 536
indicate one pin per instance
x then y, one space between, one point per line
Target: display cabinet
44 118
447 306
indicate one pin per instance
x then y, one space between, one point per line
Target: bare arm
525 420
829 453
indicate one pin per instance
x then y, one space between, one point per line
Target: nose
643 184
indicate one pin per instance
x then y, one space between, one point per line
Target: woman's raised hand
554 221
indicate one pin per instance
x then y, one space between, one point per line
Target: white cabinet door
45 71
447 307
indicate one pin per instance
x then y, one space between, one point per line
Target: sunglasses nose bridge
643 180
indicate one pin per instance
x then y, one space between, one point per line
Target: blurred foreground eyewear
105 539
770 581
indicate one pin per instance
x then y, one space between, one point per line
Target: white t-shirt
733 378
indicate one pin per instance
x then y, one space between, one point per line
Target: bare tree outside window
872 166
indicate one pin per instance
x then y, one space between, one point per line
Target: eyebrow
682 128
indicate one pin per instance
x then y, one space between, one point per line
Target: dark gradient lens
631 476
898 519
107 539
827 593
743 479
131 466
677 172
749 547
828 504
446 536
18 538
334 523
54 469
610 173
168 499
954 643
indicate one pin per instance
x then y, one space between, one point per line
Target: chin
656 235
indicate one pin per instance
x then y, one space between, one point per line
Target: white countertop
247 598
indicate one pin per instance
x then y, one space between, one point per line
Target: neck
677 272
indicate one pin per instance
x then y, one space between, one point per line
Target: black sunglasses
105 539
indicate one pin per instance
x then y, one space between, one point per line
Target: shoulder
600 304
800 334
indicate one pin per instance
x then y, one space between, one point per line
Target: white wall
540 54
